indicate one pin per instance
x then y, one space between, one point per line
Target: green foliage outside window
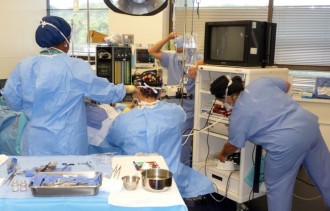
78 19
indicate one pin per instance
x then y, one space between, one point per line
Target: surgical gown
50 90
158 130
174 65
266 116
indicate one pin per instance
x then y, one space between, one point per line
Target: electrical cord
204 128
227 188
307 183
306 199
206 158
303 198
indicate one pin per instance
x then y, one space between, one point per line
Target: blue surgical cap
178 41
47 35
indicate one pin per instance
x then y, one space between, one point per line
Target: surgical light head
52 31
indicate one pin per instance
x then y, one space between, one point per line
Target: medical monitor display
143 58
240 43
231 40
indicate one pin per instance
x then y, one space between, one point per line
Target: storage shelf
215 135
215 117
207 142
205 92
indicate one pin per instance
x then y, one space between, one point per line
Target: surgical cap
219 86
178 41
151 78
47 35
150 83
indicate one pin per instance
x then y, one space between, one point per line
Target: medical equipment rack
207 144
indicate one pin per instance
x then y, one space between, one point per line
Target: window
76 13
303 34
222 3
303 30
216 11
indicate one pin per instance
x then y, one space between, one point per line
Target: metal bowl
130 182
156 180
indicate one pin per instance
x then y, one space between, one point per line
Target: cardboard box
96 37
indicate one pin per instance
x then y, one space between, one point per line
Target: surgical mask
180 56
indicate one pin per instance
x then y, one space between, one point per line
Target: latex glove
129 89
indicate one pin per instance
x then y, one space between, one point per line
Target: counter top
312 100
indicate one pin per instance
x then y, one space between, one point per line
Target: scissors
66 165
11 176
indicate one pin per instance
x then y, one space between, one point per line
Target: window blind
197 25
303 35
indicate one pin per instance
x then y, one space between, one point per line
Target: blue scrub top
266 116
157 130
50 89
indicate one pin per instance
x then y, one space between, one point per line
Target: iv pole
184 51
75 8
88 37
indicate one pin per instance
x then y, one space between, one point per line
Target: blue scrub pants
281 171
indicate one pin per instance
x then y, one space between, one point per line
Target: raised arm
155 49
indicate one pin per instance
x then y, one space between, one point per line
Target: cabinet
207 143
319 107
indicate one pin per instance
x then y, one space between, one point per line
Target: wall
18 22
146 29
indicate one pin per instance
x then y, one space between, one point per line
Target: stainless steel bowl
156 180
130 182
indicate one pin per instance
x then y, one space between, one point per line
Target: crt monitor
240 43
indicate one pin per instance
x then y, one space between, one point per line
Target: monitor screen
142 56
227 43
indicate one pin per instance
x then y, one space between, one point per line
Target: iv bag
190 49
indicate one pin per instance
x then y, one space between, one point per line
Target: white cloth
140 197
97 136
3 159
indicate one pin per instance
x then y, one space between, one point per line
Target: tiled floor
306 198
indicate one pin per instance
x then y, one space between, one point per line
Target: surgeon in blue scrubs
265 115
155 126
50 89
173 62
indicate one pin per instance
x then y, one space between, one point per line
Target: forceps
116 172
12 175
88 163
